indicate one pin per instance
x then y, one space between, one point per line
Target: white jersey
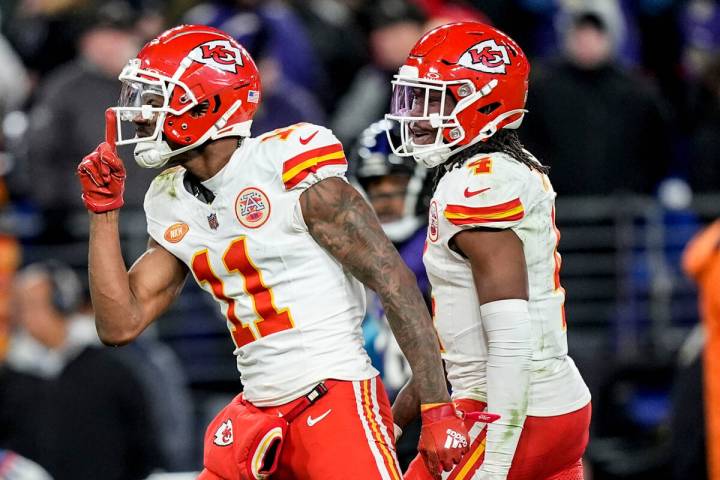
495 191
293 312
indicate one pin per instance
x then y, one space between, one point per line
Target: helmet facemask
411 92
149 95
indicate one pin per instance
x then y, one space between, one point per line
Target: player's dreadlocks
505 141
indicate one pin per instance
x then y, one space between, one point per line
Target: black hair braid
505 141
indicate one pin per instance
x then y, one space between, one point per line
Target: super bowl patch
252 207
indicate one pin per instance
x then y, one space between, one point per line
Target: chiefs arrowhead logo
219 54
486 56
224 434
433 226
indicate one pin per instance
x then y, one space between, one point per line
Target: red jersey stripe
291 182
499 208
315 152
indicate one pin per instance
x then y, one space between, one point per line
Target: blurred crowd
624 96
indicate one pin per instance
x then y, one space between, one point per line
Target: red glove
443 438
102 173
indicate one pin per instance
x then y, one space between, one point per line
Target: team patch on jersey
433 227
300 166
224 434
503 212
252 207
176 232
486 56
219 54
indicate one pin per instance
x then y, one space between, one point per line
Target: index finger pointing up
111 127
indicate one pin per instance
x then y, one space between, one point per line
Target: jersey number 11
269 319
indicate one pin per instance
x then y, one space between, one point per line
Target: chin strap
441 155
156 153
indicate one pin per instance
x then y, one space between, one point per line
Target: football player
272 230
491 258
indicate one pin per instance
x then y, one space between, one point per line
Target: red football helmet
483 69
197 84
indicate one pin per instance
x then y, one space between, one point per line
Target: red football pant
550 448
347 434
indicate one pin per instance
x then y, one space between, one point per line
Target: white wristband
397 430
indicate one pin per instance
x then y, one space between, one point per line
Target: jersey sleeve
310 153
489 191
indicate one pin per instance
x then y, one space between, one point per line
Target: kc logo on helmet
486 56
219 54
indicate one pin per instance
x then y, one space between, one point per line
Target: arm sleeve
507 326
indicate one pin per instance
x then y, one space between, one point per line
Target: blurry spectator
655 35
278 42
339 41
65 402
9 262
284 102
599 128
271 24
44 32
704 161
701 262
14 82
700 24
67 121
395 26
14 88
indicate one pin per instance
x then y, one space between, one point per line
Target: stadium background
634 149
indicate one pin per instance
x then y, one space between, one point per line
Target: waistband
291 410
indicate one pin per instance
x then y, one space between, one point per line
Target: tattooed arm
342 222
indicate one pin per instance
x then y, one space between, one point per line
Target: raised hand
102 173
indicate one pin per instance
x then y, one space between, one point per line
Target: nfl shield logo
213 221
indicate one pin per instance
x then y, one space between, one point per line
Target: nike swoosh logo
312 421
469 194
306 140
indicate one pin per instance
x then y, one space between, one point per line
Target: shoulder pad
308 153
488 190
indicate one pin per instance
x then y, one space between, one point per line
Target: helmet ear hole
218 103
200 109
489 108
